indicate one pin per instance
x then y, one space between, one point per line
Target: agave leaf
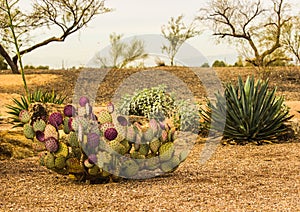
253 111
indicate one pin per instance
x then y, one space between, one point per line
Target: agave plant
253 112
25 101
46 97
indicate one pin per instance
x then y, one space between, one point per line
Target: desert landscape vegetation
254 166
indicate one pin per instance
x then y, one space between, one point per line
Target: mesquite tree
255 26
122 53
291 38
177 32
67 15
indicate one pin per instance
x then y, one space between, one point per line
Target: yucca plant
24 102
252 112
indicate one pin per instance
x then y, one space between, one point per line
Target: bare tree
254 25
177 32
291 38
67 15
122 53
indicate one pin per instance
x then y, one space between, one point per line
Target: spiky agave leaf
253 112
16 108
24 102
46 97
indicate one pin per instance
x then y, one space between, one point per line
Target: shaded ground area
243 178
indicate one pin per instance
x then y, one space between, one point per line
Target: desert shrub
24 102
37 67
152 102
219 63
253 111
156 103
205 65
186 117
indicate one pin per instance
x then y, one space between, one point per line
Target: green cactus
166 151
28 131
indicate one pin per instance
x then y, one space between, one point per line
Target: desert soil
235 178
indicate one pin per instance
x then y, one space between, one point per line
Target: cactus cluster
157 103
102 146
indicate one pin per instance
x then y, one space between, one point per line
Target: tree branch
10 62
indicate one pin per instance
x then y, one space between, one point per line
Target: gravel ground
236 178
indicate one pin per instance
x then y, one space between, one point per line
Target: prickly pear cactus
104 146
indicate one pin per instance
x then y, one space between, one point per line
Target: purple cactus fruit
105 126
51 144
56 119
122 121
153 124
164 136
69 110
131 134
162 125
40 136
92 158
70 123
83 101
110 107
93 140
110 134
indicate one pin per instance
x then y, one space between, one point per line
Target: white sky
130 17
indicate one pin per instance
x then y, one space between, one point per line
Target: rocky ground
243 178
236 178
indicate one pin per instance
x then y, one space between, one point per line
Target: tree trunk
12 64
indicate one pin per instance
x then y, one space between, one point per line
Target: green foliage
253 112
239 62
24 102
40 67
219 63
205 65
186 117
156 103
46 97
152 102
16 108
